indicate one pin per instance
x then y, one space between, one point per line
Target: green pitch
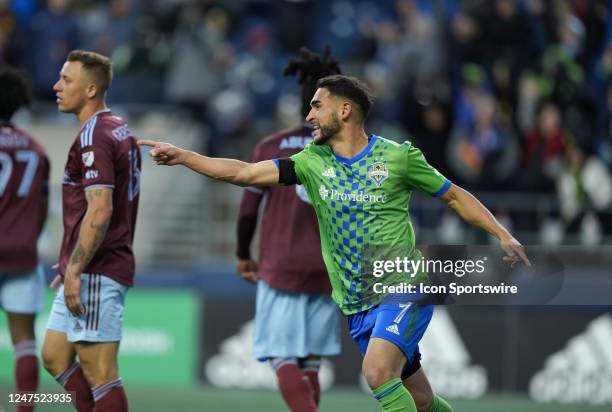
206 398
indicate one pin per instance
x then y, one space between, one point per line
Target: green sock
440 405
393 397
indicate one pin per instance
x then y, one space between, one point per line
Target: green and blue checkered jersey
362 203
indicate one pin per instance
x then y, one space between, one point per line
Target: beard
327 131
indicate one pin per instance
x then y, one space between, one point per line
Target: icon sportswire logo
360 197
581 371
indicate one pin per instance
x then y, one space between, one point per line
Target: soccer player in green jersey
360 185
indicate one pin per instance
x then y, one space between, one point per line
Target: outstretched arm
473 212
233 171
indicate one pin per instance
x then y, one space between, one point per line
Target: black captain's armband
286 172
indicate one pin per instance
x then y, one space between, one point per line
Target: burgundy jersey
104 154
24 178
290 248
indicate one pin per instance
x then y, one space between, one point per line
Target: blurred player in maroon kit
100 199
24 176
296 322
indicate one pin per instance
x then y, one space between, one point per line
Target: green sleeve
299 160
421 175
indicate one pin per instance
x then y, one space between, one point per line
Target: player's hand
57 279
247 269
164 153
72 294
515 252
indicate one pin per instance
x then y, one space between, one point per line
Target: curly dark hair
14 92
310 67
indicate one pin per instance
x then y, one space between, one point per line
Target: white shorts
293 324
102 321
23 292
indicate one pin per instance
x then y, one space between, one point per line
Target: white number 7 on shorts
404 307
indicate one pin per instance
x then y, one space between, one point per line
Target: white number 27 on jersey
30 158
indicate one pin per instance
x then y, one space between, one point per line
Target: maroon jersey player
24 175
296 322
100 200
289 255
104 155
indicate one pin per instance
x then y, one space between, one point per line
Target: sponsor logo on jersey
294 142
88 158
323 192
329 172
361 196
581 371
9 139
122 132
378 172
91 174
393 329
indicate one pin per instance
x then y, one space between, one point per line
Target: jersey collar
95 114
360 155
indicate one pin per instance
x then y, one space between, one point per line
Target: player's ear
92 90
346 108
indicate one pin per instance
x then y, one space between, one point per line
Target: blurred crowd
504 95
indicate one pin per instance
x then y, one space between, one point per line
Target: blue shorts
23 292
400 324
293 324
102 321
